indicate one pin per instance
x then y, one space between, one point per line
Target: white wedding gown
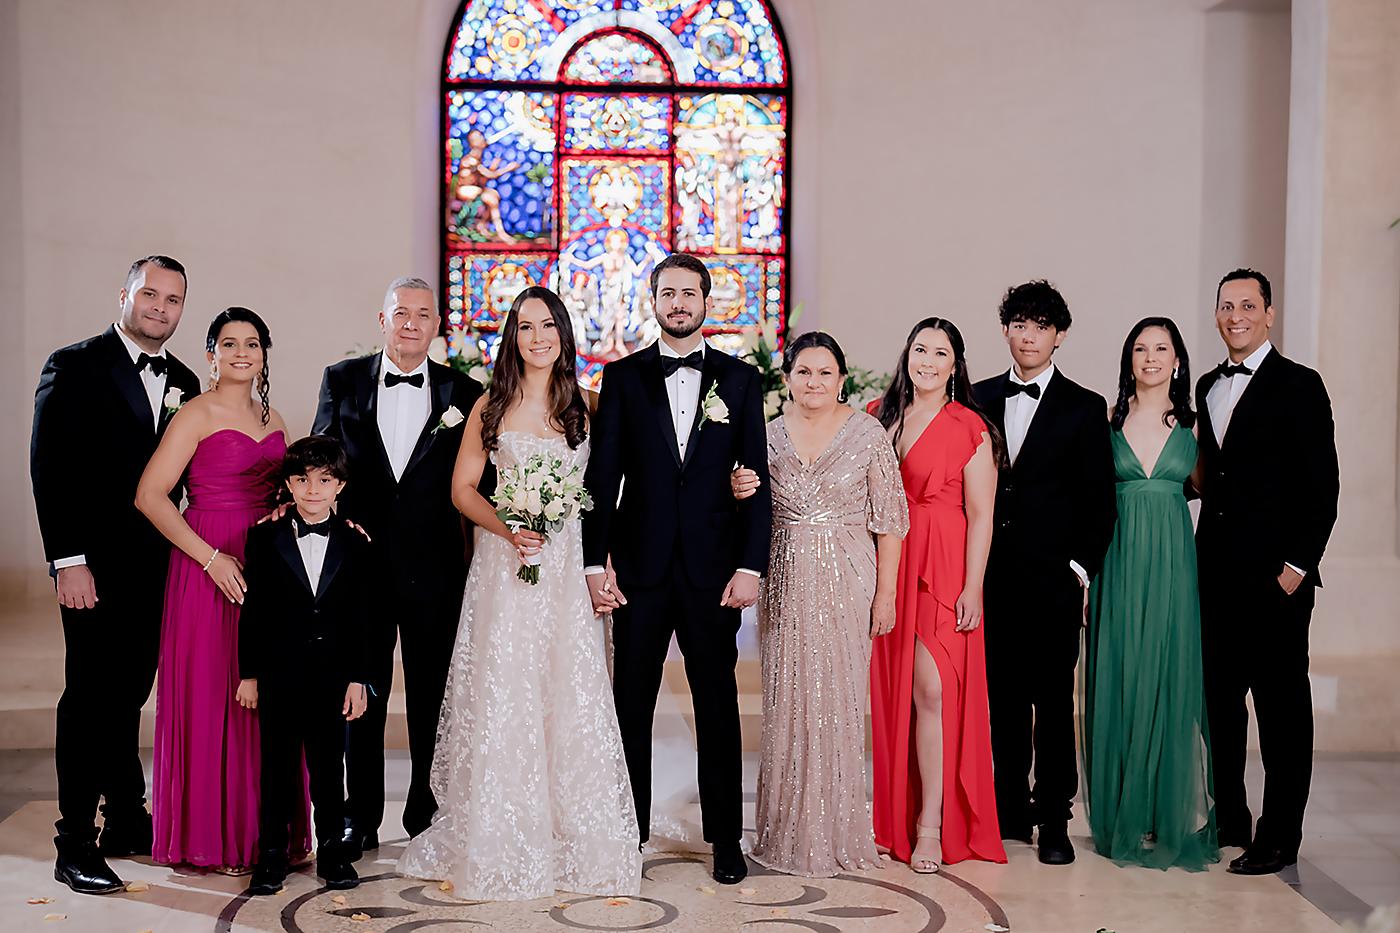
528 770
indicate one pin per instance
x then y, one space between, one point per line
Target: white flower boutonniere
449 420
174 399
712 408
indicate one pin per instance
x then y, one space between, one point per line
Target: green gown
1148 787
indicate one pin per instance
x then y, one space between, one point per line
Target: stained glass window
587 139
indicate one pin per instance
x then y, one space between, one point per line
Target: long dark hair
243 315
567 409
1179 390
900 395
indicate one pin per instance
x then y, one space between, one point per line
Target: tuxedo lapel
335 556
128 380
1260 386
709 375
440 384
1040 426
287 546
655 383
367 400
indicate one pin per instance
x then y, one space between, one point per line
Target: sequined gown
528 770
814 638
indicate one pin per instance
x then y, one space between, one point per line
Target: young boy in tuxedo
303 657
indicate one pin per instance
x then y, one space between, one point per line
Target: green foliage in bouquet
540 494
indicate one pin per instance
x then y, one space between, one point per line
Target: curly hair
1038 302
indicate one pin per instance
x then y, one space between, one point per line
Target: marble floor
1351 863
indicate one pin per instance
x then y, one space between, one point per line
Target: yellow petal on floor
748 892
339 899
618 902
360 918
136 887
40 900
705 889
445 886
55 916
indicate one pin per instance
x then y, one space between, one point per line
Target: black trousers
109 667
706 633
1032 639
296 717
428 630
1254 639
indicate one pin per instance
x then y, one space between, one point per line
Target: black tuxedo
1054 505
419 544
1269 496
93 434
676 538
304 648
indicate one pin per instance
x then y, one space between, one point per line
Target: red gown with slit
931 570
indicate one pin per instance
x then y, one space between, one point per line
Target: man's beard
685 331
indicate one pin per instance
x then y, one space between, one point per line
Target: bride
528 768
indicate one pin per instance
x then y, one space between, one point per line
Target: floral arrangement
761 350
540 494
461 349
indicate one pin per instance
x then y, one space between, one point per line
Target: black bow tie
1016 388
669 364
323 529
393 379
156 364
1232 369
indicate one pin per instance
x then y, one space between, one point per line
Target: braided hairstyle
243 315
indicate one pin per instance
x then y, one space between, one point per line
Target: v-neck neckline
1142 468
825 450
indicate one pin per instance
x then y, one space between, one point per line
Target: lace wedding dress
528 770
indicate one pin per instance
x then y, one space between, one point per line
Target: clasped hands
739 593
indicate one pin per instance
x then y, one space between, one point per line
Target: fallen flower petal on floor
360 918
338 899
445 886
705 889
55 916
40 900
136 887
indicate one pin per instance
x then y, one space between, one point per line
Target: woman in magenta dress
932 736
228 446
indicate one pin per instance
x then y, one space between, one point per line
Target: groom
100 409
673 420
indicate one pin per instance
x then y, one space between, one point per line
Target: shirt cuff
752 573
1293 567
593 571
1079 572
76 561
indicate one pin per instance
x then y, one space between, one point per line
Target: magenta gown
205 788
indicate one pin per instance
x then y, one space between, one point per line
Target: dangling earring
213 375
842 396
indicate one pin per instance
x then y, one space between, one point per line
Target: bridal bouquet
540 494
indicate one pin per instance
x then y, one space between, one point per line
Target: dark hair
567 408
316 452
810 340
900 395
1179 390
1038 302
236 315
1239 275
681 261
160 262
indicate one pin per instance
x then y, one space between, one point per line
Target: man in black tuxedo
673 420
100 409
399 416
1053 522
1269 492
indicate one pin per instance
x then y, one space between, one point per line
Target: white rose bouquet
540 494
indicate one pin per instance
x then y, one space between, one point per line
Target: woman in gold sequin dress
839 514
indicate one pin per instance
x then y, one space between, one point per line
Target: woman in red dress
928 677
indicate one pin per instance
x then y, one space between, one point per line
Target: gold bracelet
210 561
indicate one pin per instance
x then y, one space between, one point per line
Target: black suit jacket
1056 504
669 505
286 633
412 520
1269 494
92 436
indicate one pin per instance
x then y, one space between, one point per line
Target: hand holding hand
76 588
247 695
227 574
603 591
969 609
741 592
355 702
882 615
1290 580
743 482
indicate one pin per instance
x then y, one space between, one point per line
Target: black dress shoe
357 843
85 871
334 868
269 875
1262 860
127 837
1053 846
730 866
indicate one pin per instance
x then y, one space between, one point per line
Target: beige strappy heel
925 865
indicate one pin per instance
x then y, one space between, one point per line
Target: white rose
480 374
437 350
717 411
174 398
467 349
519 499
533 506
555 510
772 403
452 417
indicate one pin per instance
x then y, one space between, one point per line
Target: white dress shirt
683 391
1021 408
1224 394
155 394
313 552
402 412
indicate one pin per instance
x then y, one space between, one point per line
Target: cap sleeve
886 505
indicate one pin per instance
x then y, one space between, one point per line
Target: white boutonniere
174 399
712 408
449 420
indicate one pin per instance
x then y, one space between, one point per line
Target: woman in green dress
1146 764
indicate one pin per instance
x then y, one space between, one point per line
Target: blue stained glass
506 39
733 40
615 58
500 169
489 283
616 123
611 192
737 286
730 172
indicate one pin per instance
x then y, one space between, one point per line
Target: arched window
586 139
